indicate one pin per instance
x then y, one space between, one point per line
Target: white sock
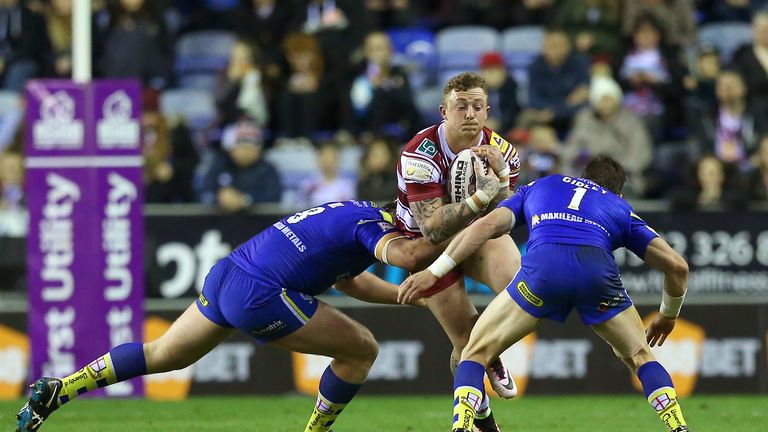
485 408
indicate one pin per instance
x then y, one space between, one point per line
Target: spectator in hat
502 92
606 127
239 176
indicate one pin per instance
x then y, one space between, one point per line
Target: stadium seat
206 82
427 102
350 156
414 49
222 5
460 48
9 101
203 51
726 36
195 106
520 45
296 163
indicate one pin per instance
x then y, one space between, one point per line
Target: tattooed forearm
440 221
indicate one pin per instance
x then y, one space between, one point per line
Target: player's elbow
408 259
679 267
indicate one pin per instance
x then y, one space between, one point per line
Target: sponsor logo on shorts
604 305
273 327
522 287
418 170
427 148
203 300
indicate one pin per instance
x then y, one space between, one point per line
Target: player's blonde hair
463 82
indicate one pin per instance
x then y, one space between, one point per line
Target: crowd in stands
307 101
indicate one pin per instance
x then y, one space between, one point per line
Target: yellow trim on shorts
293 305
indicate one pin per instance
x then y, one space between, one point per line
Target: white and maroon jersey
424 165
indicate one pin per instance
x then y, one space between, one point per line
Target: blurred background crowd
301 102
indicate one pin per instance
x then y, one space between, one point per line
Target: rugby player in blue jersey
266 288
574 225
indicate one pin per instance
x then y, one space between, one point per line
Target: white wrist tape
442 265
386 248
471 203
670 306
504 173
483 197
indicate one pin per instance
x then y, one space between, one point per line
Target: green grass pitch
625 413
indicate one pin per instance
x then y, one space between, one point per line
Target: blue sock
336 390
653 376
122 363
128 361
469 373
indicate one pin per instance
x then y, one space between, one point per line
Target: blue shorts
232 297
556 278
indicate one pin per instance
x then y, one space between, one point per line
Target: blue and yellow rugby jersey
311 250
576 211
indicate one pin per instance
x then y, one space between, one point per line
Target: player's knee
365 349
639 358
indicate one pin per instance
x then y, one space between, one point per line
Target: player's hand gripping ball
463 181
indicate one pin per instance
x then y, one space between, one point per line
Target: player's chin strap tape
480 196
670 306
386 248
442 265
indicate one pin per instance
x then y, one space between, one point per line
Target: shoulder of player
495 139
429 133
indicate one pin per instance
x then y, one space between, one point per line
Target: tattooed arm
439 221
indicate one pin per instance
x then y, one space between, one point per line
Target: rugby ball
462 181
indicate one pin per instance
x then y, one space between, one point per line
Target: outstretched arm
660 256
412 254
370 288
495 224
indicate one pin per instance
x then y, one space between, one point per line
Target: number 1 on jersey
578 195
